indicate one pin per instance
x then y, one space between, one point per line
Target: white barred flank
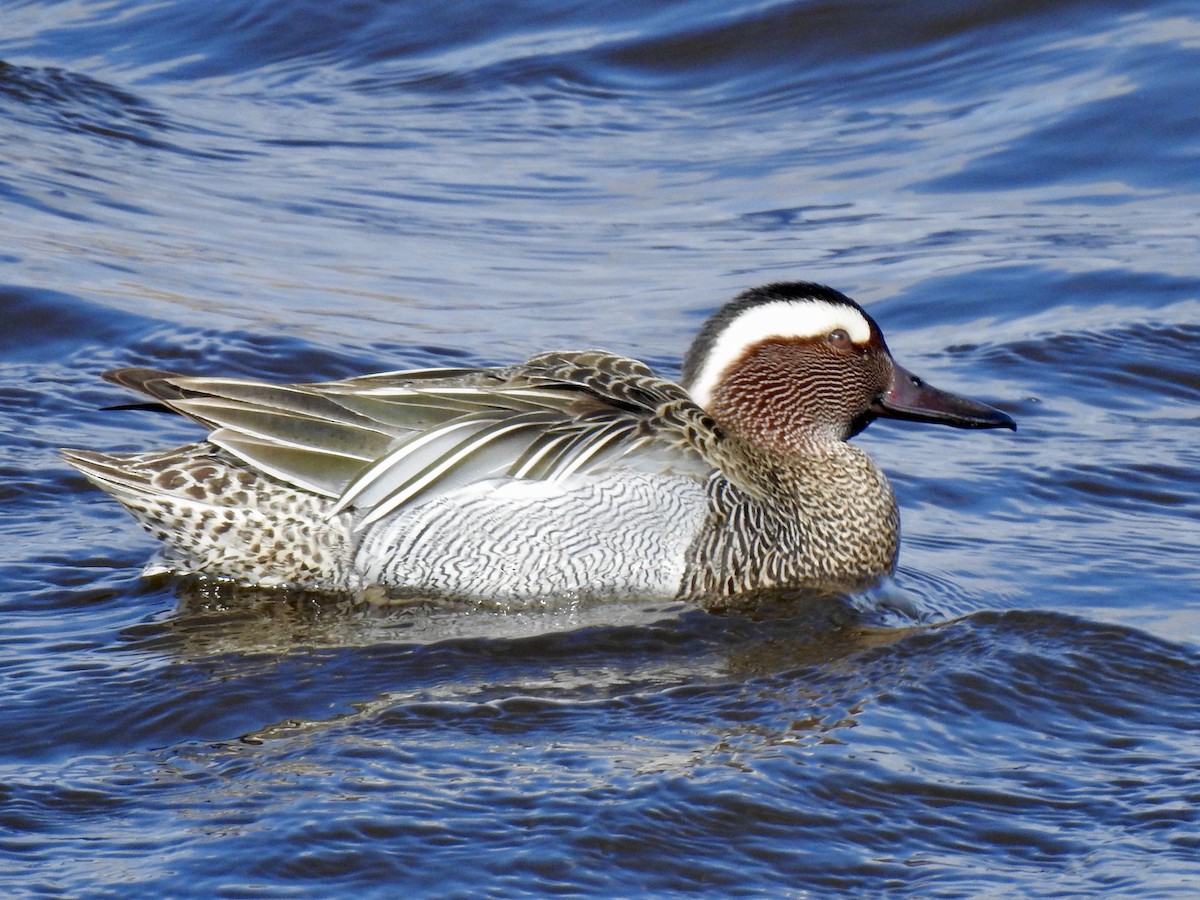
515 543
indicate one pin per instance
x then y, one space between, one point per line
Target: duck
574 475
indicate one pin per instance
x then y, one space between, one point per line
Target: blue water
298 191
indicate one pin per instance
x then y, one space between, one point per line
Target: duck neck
826 517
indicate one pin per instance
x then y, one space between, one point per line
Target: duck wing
377 442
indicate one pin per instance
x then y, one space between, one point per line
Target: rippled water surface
296 191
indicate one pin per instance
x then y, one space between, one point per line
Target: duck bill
909 397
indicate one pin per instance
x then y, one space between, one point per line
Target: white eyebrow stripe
777 319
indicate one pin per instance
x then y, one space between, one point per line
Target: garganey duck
574 475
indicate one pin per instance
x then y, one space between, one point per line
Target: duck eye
839 338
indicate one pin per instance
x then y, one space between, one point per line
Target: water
296 191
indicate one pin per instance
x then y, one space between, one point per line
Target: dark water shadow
213 618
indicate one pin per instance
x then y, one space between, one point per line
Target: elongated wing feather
394 470
297 430
472 451
315 470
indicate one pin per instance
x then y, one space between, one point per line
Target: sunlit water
295 191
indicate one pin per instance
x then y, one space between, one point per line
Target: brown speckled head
789 365
795 365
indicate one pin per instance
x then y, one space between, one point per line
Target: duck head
794 364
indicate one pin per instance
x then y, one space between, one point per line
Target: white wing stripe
550 446
413 487
385 463
594 444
